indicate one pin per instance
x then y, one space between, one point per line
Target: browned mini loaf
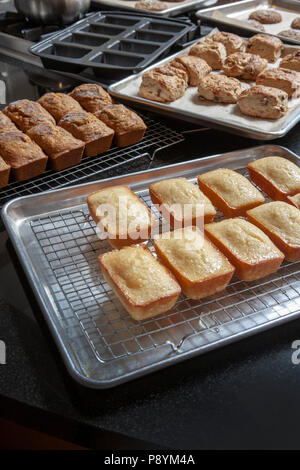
61 147
128 126
59 104
86 127
26 114
91 97
4 173
24 156
6 124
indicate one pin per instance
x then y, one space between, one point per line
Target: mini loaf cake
266 16
195 67
86 127
232 42
144 286
267 47
59 104
263 102
294 200
219 88
174 194
128 126
244 65
229 191
247 247
285 80
161 87
199 267
26 114
121 215
25 157
214 53
276 176
91 97
291 61
4 173
6 124
281 222
61 147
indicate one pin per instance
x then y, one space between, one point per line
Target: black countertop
241 396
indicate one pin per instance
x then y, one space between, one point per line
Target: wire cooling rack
157 136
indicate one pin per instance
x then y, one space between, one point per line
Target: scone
266 16
151 5
281 222
291 61
160 87
219 88
290 33
296 23
4 173
129 127
294 200
181 202
229 191
199 267
285 80
263 102
244 65
173 67
257 25
59 104
276 176
121 215
248 248
213 53
267 47
91 97
195 67
232 42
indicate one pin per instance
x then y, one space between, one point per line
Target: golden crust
244 65
232 42
26 114
263 102
196 68
162 87
213 53
91 97
285 80
6 124
294 200
219 88
267 47
59 104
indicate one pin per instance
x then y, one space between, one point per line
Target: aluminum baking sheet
101 345
226 117
235 15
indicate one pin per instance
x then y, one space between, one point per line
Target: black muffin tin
114 45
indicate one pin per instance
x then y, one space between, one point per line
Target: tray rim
167 12
45 301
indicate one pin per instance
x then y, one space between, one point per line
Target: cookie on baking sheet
296 23
266 46
195 68
152 5
163 87
244 65
263 102
232 42
290 33
213 53
266 16
286 80
291 61
219 88
257 25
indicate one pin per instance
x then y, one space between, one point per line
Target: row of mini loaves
238 61
188 262
60 129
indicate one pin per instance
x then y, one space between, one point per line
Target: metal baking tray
101 345
112 44
220 116
233 16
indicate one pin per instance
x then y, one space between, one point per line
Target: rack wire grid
157 137
97 324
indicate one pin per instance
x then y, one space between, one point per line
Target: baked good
4 173
244 65
121 214
199 267
129 127
229 191
257 25
181 202
248 248
263 102
26 114
6 124
151 5
91 97
276 176
281 222
59 104
144 286
213 53
294 200
61 147
195 68
25 157
267 47
84 126
266 16
232 42
162 87
219 88
291 61
290 33
173 67
285 80
296 23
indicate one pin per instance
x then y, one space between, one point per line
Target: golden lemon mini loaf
294 200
